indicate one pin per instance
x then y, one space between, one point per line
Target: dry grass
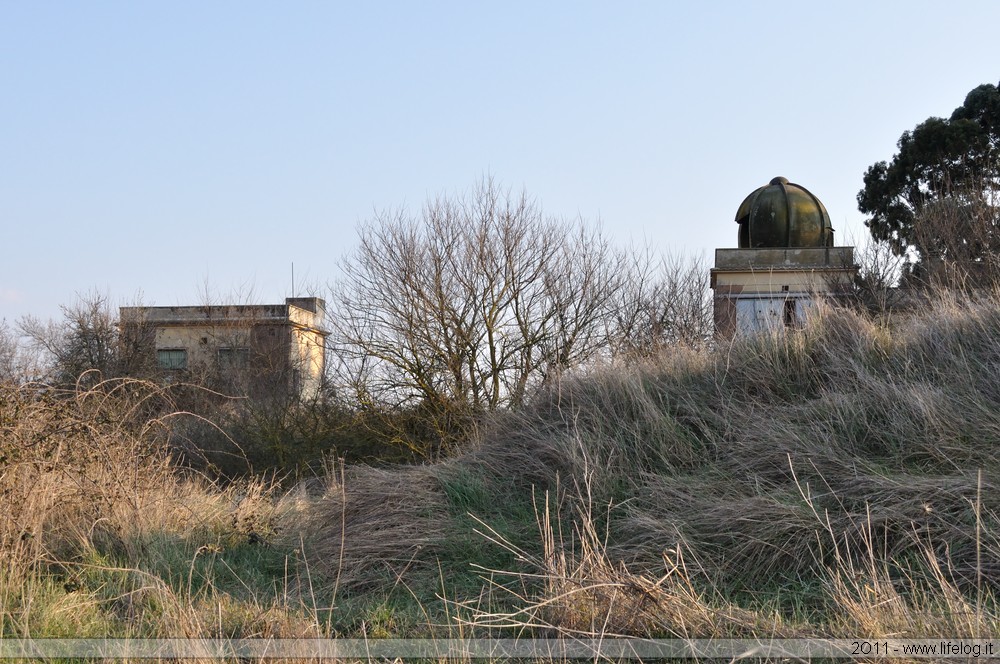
844 477
75 466
840 481
372 526
585 592
102 535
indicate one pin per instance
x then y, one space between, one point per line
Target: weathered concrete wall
308 357
782 280
755 259
276 345
773 276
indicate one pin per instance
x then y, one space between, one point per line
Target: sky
169 153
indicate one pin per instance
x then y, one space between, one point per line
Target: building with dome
786 259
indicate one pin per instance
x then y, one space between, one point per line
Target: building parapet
793 258
306 312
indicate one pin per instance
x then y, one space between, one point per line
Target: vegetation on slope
840 480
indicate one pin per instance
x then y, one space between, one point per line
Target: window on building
233 358
171 358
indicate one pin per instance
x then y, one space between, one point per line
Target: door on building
771 313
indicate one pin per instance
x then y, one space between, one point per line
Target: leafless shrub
473 303
876 287
959 239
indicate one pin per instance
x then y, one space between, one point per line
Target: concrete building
786 260
245 349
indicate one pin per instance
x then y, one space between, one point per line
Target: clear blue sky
167 147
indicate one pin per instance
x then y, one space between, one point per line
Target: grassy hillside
839 481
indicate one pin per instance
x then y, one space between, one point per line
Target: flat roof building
249 350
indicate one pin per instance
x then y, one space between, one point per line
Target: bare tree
664 302
471 306
17 363
477 302
87 339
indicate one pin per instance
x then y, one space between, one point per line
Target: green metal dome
782 214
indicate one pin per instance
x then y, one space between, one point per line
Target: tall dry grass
76 466
101 534
839 479
370 526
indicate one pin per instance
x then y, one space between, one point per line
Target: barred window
172 358
234 358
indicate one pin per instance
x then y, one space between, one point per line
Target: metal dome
783 214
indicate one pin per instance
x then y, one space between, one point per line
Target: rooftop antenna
293 278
